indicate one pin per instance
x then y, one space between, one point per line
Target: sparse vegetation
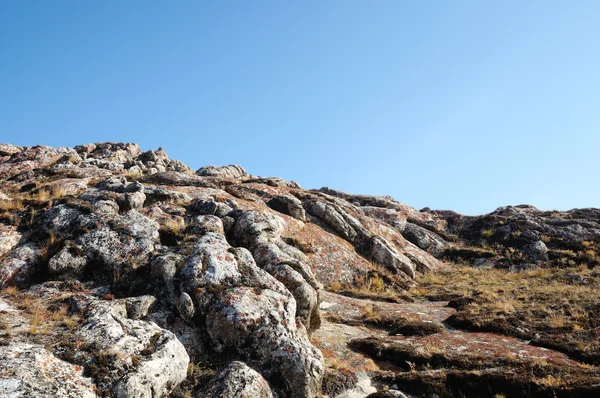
487 233
560 308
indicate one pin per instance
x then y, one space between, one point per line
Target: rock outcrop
145 272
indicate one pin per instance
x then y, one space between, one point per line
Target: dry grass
487 233
547 301
172 226
10 291
44 316
335 286
11 205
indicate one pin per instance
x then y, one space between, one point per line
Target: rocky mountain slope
125 273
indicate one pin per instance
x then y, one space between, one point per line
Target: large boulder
247 311
424 239
289 205
30 370
261 233
235 381
231 171
155 359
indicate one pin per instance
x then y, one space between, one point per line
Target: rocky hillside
125 273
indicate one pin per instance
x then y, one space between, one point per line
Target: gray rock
9 238
334 219
138 307
9 150
228 223
237 380
29 370
163 360
129 240
250 312
106 208
18 265
61 220
288 205
386 255
261 233
185 306
134 201
537 251
70 260
203 224
113 183
209 207
424 239
231 171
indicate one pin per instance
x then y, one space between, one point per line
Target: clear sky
463 105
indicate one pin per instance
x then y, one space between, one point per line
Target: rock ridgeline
165 268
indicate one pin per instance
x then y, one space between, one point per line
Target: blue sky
463 105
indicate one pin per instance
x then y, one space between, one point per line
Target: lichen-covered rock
70 260
211 207
383 253
30 370
335 220
18 266
424 239
161 360
126 239
31 158
231 171
160 250
288 205
237 380
261 233
250 312
9 150
9 238
537 251
203 224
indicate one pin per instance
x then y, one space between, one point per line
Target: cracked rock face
152 269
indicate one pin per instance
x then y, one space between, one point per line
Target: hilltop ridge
126 273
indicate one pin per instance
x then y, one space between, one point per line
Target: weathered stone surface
335 220
261 233
288 205
9 238
424 239
237 380
18 266
29 370
203 224
128 240
231 171
162 358
9 150
537 251
383 253
31 158
211 207
251 313
160 250
70 260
